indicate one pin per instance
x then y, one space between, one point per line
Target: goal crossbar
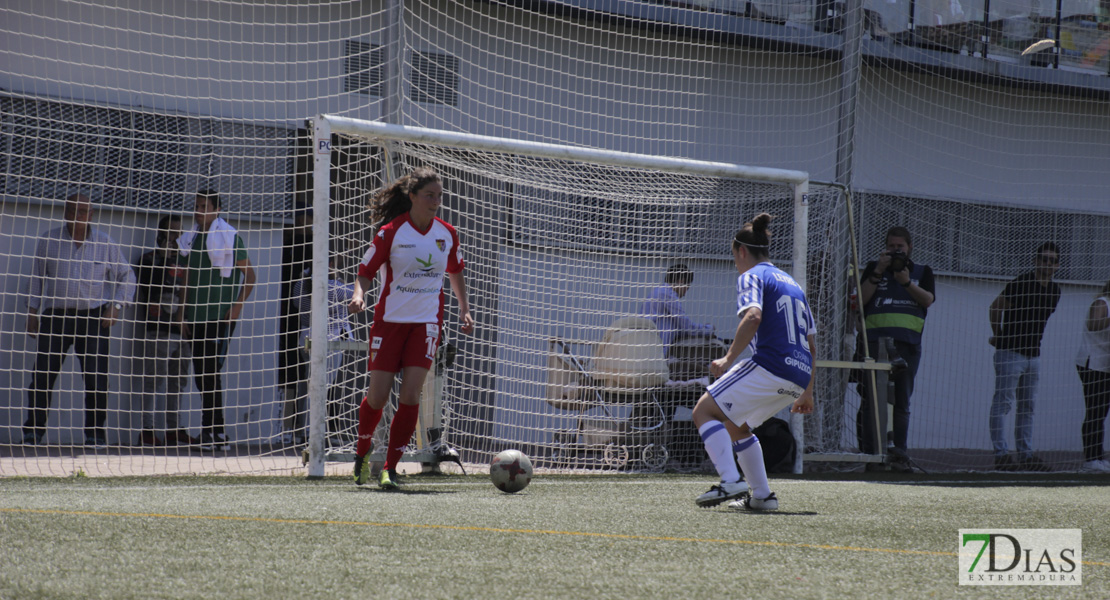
422 135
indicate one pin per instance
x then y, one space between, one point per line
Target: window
435 78
363 67
145 160
987 240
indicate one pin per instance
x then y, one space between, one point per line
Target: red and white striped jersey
412 265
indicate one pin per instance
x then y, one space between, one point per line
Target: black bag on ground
778 445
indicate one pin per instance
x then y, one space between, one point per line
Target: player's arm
458 285
358 299
244 266
368 267
745 332
804 403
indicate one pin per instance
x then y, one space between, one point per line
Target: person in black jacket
296 258
1018 317
160 353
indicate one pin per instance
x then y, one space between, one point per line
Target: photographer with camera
895 294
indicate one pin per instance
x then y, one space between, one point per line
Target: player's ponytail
393 201
755 236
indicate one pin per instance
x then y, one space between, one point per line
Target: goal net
565 249
934 117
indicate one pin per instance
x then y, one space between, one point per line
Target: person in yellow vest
895 295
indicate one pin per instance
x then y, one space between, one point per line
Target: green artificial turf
563 537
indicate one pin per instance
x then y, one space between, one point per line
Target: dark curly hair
393 200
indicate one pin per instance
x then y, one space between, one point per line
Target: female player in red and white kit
411 251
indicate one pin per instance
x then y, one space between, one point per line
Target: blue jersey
781 344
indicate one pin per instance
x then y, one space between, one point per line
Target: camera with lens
899 261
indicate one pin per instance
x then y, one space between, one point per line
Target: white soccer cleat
722 492
749 502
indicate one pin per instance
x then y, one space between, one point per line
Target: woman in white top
1093 364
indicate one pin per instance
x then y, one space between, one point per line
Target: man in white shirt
80 283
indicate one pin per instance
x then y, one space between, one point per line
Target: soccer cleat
388 480
749 502
721 492
31 439
1096 466
362 470
147 438
96 440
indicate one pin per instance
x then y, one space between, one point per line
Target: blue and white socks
718 445
750 456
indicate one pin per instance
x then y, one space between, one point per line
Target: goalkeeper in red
776 323
412 251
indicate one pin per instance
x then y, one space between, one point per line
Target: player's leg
757 396
749 454
369 415
420 342
384 364
404 422
717 433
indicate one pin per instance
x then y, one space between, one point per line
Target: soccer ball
510 471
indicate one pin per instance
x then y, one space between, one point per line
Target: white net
563 258
930 113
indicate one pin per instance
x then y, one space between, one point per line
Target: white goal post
387 135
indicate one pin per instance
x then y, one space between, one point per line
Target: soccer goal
563 246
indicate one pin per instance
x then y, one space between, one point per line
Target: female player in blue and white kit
411 251
776 322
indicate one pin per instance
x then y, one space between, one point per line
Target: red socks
400 432
368 419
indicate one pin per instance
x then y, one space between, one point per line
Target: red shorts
394 346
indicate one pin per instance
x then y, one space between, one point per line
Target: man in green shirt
221 279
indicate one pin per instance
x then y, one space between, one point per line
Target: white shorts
748 393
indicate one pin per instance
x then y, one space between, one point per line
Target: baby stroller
689 358
616 394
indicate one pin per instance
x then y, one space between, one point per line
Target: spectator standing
339 295
1018 317
895 295
80 283
296 259
162 356
220 280
1093 365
